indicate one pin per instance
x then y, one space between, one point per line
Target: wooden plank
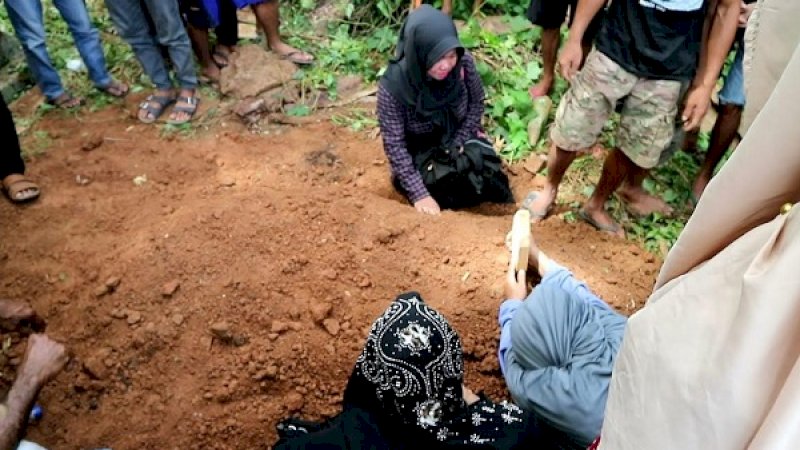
521 239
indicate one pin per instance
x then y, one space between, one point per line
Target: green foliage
507 69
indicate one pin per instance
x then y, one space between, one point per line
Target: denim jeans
131 19
28 21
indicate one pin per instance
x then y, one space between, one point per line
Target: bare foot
542 88
44 358
116 89
640 203
15 313
542 204
211 72
292 54
222 55
602 221
66 101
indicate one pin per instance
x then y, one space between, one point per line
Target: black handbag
465 176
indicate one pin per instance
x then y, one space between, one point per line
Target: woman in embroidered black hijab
430 105
407 391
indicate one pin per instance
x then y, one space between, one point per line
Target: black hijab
406 393
426 36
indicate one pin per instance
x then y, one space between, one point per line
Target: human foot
44 358
540 203
154 105
292 54
640 203
542 88
116 89
210 73
601 221
19 188
221 55
66 101
185 107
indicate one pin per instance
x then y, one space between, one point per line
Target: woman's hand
427 205
469 396
516 284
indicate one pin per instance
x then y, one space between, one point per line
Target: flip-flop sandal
528 201
610 229
294 57
65 101
190 110
21 189
220 59
115 89
155 106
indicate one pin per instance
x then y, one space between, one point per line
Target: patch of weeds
183 130
656 232
39 144
356 120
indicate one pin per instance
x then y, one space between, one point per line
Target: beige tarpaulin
712 361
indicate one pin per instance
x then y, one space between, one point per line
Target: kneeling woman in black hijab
407 391
430 105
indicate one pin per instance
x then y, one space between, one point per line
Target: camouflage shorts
648 115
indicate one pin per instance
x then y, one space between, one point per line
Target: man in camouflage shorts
647 51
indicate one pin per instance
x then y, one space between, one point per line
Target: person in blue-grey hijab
557 349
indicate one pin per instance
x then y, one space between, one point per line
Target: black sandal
65 101
193 101
155 106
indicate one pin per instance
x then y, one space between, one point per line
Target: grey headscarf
562 353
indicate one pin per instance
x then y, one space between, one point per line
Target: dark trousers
227 30
10 154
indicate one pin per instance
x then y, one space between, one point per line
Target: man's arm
572 55
712 56
44 358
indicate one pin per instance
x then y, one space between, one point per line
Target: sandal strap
161 100
193 100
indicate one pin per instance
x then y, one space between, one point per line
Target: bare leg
44 358
447 7
721 138
268 16
557 164
616 168
637 199
551 37
202 48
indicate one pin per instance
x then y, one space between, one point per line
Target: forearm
720 35
584 14
20 401
507 311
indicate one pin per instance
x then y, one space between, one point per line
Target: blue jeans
28 22
732 92
131 19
